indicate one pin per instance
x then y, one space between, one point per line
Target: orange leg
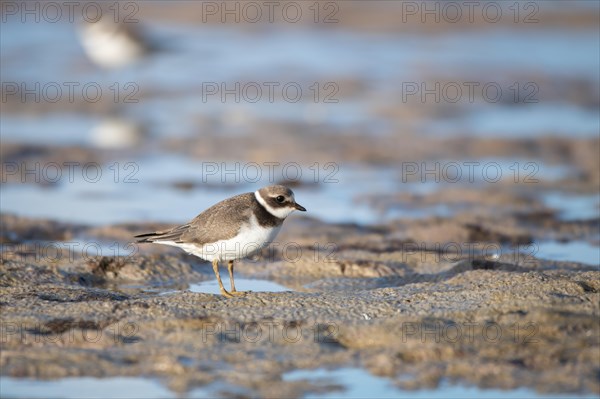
224 292
233 290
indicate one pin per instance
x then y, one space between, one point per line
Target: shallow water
530 120
358 383
115 200
242 284
123 188
316 56
52 129
574 251
88 387
573 206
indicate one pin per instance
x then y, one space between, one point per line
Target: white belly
250 239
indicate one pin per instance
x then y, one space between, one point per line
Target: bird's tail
148 237
169 235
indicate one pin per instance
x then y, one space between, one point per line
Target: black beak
300 207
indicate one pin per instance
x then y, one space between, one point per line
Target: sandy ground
375 299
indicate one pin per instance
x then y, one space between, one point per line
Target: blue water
125 197
573 206
89 387
304 57
314 52
334 193
358 383
572 251
531 120
52 129
241 284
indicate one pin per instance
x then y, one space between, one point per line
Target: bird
112 44
232 229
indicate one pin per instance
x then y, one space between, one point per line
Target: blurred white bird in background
111 44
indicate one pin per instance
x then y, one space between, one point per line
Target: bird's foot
240 293
226 293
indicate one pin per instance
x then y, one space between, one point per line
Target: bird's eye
280 199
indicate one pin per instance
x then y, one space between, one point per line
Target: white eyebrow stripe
281 213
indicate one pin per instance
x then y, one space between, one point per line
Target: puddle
242 284
358 383
85 387
574 251
573 207
88 203
427 176
55 129
400 212
117 194
100 388
72 129
537 120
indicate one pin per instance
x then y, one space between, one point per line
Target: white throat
281 213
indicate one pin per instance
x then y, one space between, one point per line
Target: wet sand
376 298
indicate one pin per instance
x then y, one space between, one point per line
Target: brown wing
219 222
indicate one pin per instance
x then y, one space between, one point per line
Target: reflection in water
242 284
117 133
